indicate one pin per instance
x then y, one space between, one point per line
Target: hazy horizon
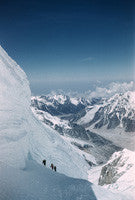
83 88
69 44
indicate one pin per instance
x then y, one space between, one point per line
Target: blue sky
69 43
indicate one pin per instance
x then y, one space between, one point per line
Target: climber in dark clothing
55 168
44 162
52 166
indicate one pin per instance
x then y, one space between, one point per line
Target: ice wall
22 136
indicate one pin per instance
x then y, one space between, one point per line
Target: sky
69 44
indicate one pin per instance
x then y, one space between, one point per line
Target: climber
52 166
55 168
44 162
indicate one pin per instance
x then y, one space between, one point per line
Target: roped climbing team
52 166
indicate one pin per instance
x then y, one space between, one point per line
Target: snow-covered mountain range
115 114
116 111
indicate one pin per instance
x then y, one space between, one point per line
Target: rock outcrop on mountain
119 164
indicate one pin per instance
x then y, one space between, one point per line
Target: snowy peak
117 111
59 98
126 100
62 97
58 104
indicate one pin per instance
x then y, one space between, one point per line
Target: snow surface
36 182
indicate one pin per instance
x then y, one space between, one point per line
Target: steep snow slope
36 182
21 133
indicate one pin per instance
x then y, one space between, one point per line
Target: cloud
111 89
87 59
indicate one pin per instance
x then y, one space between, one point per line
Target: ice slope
36 182
21 133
